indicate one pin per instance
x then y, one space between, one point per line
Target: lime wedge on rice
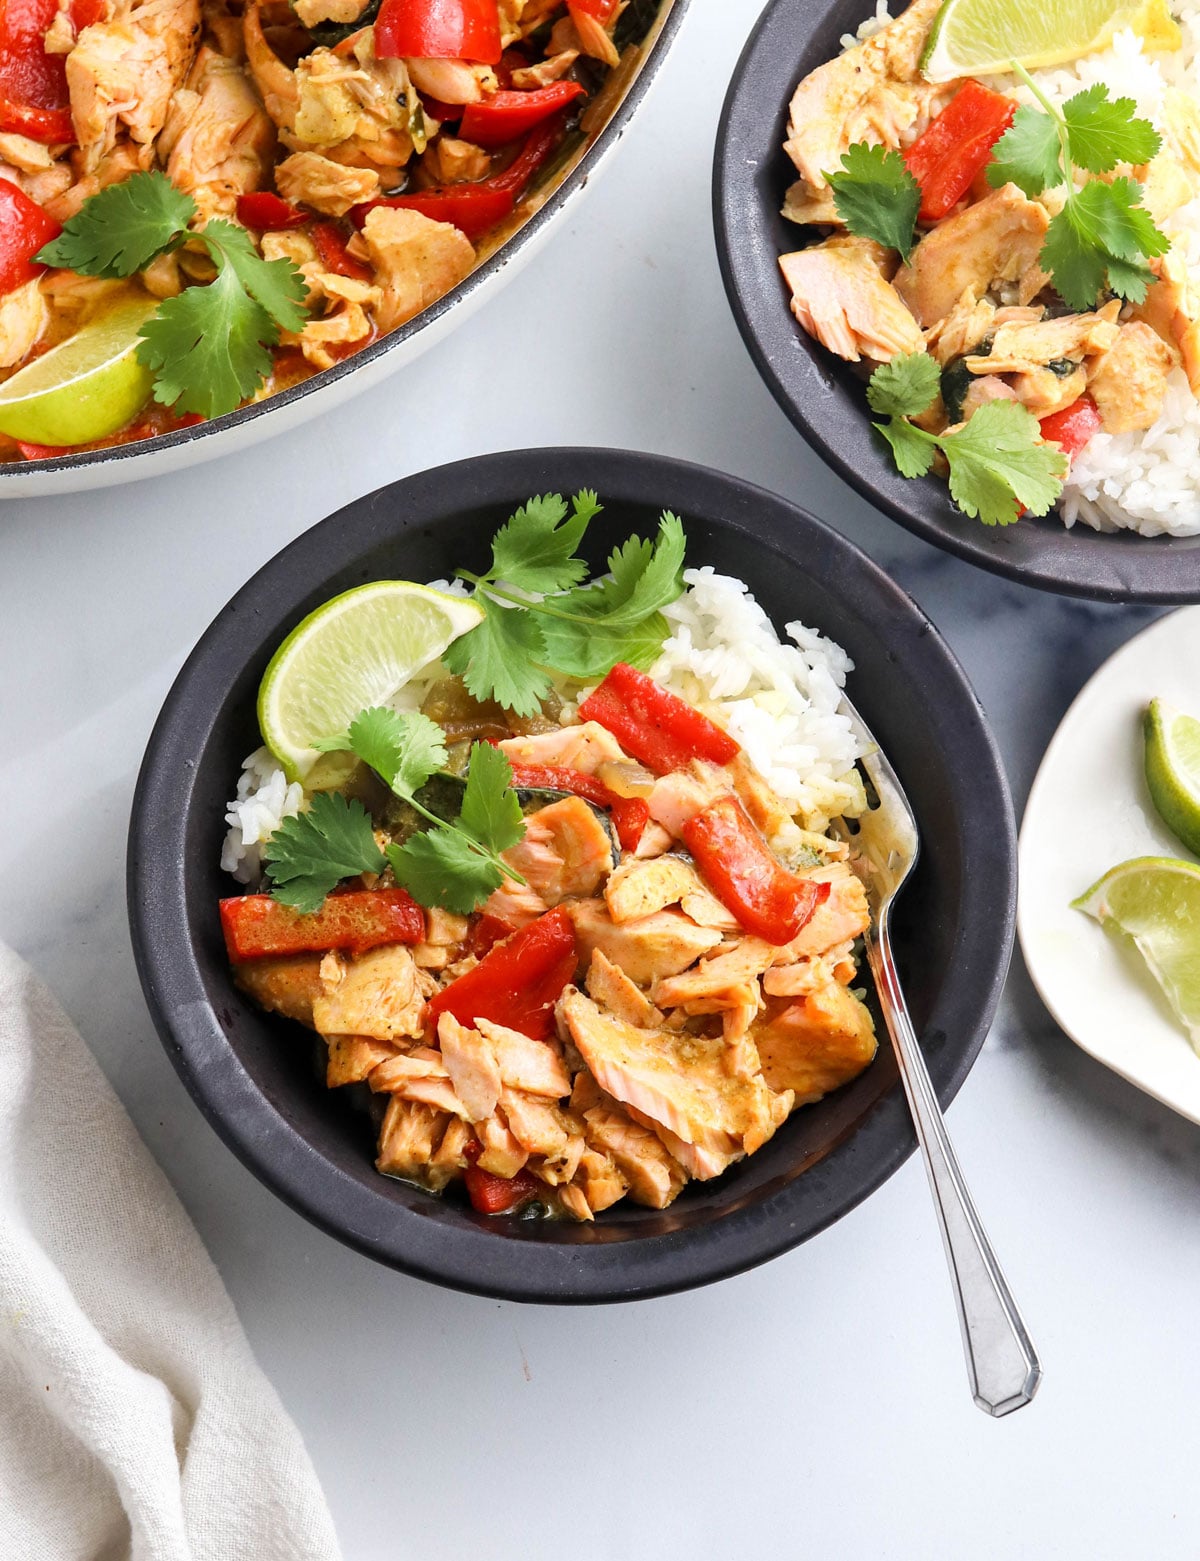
86 388
983 37
1173 770
353 652
1155 901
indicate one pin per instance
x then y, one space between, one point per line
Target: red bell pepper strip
473 208
740 870
486 933
34 100
506 116
601 10
656 727
439 30
257 927
518 982
24 228
946 158
262 210
630 815
490 1194
331 251
444 113
1072 428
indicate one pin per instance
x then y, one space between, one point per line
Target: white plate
1088 810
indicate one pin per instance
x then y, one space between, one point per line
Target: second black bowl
249 1071
823 396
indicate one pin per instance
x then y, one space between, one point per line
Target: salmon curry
1012 257
238 194
570 909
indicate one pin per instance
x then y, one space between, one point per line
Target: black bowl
248 1072
824 397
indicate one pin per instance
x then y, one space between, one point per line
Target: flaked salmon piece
655 840
1172 309
612 989
1029 344
598 1178
654 946
702 905
416 260
842 917
654 1177
515 904
585 1092
679 796
23 318
584 747
1129 384
638 889
419 1075
727 979
218 140
702 1162
330 187
998 239
524 1063
537 1125
381 994
431 956
565 851
677 1080
574 1201
840 298
798 979
845 99
740 1059
559 1168
449 1159
471 1063
502 1154
352 1057
817 1044
766 810
408 1137
443 929
287 985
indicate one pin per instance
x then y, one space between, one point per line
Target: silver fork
1001 1361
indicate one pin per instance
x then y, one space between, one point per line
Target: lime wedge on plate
1155 901
353 652
1173 770
983 37
86 388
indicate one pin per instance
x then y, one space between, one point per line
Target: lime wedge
353 652
983 37
85 388
1173 770
1155 901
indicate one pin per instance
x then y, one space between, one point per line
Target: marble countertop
816 1406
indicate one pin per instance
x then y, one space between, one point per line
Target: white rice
779 701
1148 481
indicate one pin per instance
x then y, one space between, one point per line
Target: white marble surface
816 1407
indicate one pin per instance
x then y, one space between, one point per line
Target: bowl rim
525 236
1112 567
189 1024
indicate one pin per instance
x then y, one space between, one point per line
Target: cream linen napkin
134 1421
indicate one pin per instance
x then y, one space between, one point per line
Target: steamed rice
780 701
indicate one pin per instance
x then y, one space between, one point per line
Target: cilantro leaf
275 284
590 650
1102 133
876 196
999 466
1028 154
905 387
309 854
1100 225
503 658
208 347
912 449
534 550
442 867
491 812
122 228
644 576
405 749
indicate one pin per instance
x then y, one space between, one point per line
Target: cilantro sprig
1103 238
539 615
999 466
453 864
876 196
208 347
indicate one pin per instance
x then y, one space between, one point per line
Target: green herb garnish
999 466
540 616
209 347
1103 238
876 196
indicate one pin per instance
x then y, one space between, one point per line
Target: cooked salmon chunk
1129 383
408 1138
645 1165
353 1057
638 889
381 994
652 947
841 298
565 851
584 748
817 1044
288 985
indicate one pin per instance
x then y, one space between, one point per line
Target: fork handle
1002 1363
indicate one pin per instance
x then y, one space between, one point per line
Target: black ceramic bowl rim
186 1012
822 396
525 235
